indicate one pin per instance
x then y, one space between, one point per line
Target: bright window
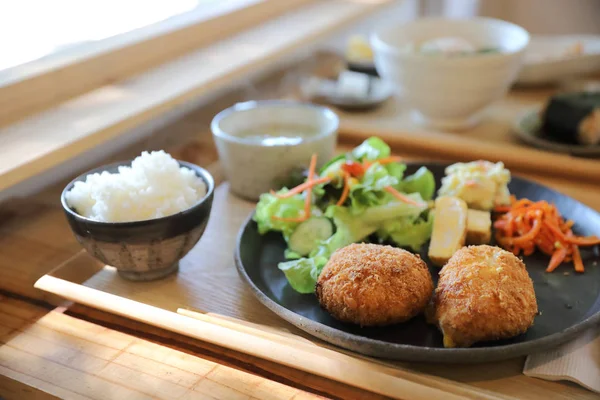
32 29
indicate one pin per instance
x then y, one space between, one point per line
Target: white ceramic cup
253 167
449 92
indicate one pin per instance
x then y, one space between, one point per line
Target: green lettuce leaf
396 170
371 149
369 191
327 167
406 232
270 205
302 274
421 182
291 255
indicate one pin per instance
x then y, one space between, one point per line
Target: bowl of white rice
140 216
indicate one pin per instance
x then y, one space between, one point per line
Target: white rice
153 187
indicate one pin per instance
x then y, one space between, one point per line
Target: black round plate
568 302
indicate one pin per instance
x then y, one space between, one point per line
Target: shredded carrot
382 161
527 237
526 225
346 190
389 160
577 260
584 241
301 188
401 196
308 195
305 187
568 225
557 258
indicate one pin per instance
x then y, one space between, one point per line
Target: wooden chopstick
272 334
392 382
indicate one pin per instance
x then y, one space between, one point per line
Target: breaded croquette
374 285
484 293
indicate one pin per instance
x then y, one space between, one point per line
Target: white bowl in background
549 59
450 92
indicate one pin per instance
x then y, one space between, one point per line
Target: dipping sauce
278 135
453 46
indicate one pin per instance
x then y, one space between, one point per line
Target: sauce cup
260 143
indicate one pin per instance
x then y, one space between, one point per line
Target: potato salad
481 184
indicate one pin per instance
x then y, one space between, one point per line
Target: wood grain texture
492 140
60 356
208 281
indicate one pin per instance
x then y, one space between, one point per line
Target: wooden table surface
48 352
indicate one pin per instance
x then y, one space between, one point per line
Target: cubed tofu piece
449 229
479 227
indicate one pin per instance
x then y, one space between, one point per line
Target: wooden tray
493 139
208 282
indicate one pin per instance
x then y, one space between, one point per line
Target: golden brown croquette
374 285
484 293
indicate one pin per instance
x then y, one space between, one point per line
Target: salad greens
364 194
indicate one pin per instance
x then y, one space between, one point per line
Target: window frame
40 84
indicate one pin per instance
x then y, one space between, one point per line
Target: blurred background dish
555 58
359 55
450 91
528 129
350 91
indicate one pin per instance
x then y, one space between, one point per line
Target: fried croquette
374 285
484 293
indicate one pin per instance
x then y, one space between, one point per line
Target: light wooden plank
57 352
243 361
213 389
242 382
18 386
44 83
21 309
84 331
142 382
12 321
177 359
50 138
192 395
139 365
65 377
158 369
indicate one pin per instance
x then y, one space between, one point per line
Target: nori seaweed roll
573 118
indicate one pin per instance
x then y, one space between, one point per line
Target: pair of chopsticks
278 347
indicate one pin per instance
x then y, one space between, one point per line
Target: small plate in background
373 91
554 58
528 129
366 67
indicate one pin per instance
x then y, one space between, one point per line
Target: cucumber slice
309 234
